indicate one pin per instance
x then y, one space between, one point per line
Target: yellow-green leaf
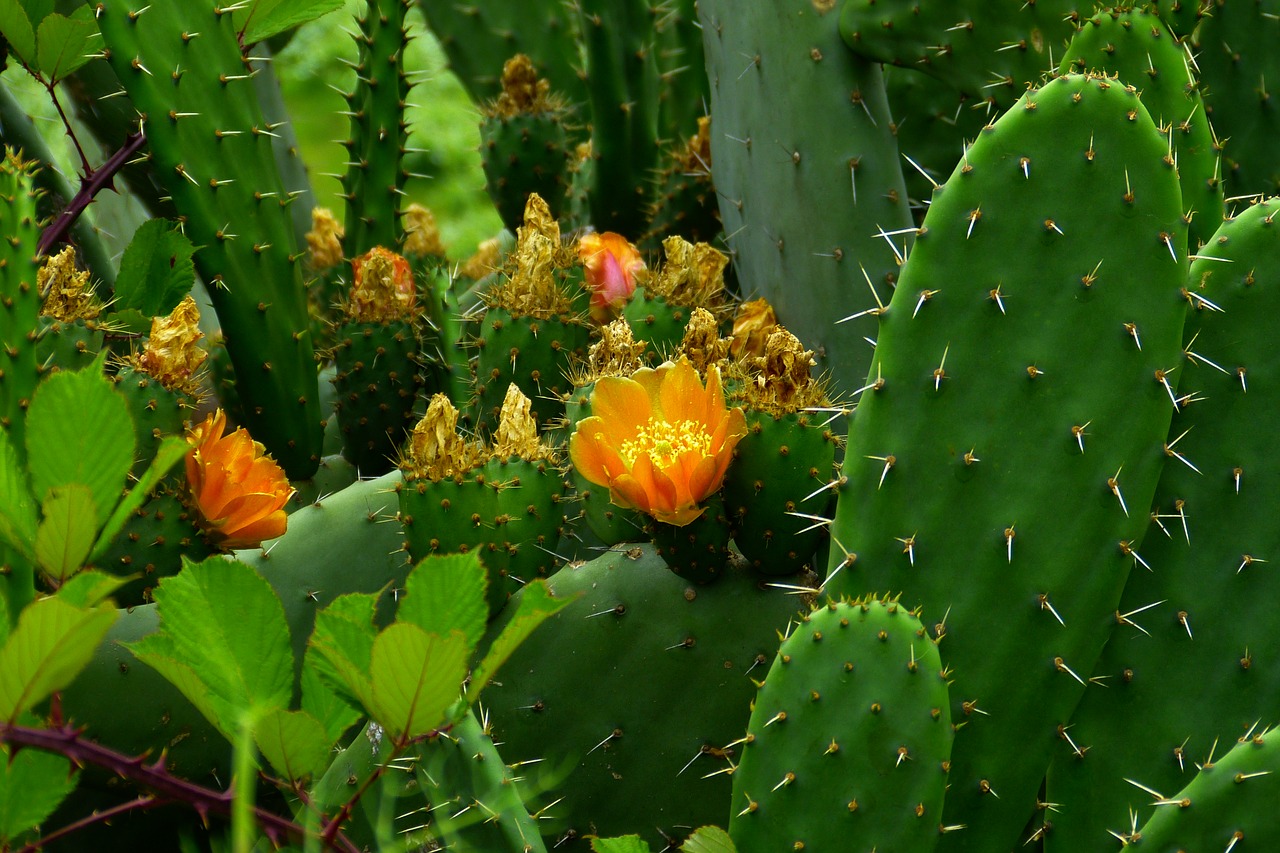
68 527
416 677
172 448
46 650
293 742
447 593
63 42
534 607
32 785
17 509
708 839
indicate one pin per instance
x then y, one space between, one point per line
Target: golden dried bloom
173 354
751 328
67 294
610 264
421 234
237 491
617 353
702 342
522 91
484 261
781 381
383 291
538 220
517 433
436 451
324 240
692 275
658 440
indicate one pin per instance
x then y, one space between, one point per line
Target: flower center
664 442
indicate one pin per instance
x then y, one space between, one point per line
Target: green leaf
322 701
62 42
172 448
708 839
89 588
265 18
447 593
621 844
156 651
535 607
17 509
79 430
416 677
293 742
68 526
343 641
16 27
51 643
32 785
225 622
156 270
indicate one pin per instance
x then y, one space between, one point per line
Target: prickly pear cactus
20 312
1040 380
1190 653
636 742
850 737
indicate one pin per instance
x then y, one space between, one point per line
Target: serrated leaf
416 677
79 430
225 622
17 29
172 448
32 785
293 742
156 651
322 701
709 839
62 42
156 270
46 650
447 593
343 641
265 18
90 588
17 509
535 607
621 844
68 527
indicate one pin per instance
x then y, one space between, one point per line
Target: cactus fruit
524 142
850 736
958 512
378 376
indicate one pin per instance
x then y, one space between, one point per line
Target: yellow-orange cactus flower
238 491
611 264
659 440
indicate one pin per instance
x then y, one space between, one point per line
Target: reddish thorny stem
90 185
68 741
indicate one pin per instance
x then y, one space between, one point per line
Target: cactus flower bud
611 266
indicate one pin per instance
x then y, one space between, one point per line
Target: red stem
90 185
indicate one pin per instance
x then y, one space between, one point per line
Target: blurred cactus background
638 425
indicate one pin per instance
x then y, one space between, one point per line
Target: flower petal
622 405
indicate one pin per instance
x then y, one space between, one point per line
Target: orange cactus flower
659 440
611 265
239 492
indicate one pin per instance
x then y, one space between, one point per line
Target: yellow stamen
665 442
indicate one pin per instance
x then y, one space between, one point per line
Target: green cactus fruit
524 144
152 545
530 332
617 353
184 69
778 489
20 307
1238 67
375 178
529 487
163 382
963 44
685 202
699 550
1190 649
71 335
378 376
989 458
642 759
1229 805
850 737
1137 46
805 183
692 276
